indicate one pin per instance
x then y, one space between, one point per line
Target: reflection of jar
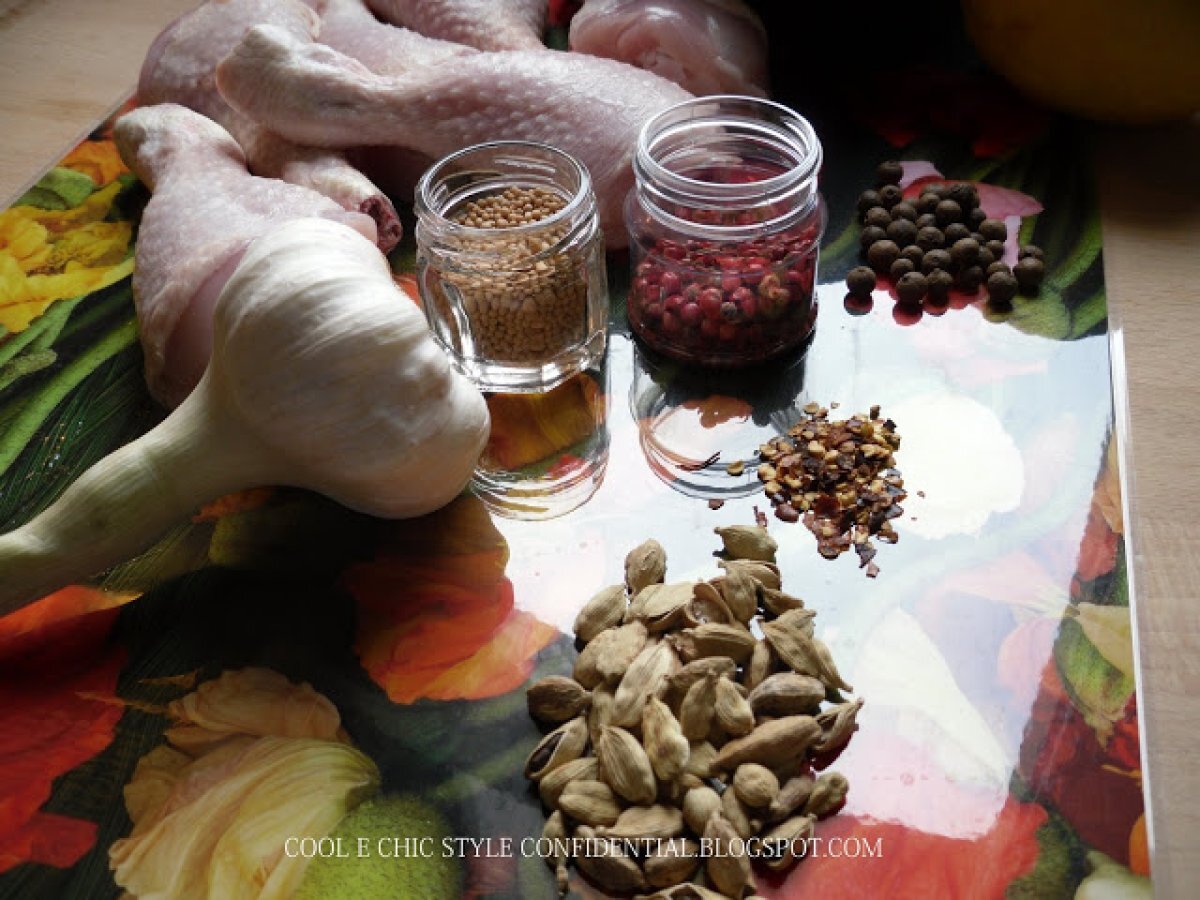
725 223
510 263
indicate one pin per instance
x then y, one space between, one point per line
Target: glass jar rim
768 119
430 215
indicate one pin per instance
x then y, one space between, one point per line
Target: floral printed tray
998 750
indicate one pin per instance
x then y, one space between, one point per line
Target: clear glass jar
510 264
725 224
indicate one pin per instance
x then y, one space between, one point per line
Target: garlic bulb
323 376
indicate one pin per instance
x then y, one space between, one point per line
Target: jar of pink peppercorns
725 224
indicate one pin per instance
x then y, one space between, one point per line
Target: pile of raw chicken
254 113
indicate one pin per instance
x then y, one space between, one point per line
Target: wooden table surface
65 63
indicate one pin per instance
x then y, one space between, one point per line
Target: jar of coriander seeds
725 224
510 264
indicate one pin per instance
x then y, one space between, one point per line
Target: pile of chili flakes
840 478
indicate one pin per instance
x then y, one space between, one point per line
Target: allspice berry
1029 273
860 281
911 288
870 235
904 210
947 211
938 283
1031 250
964 195
986 258
930 238
866 200
927 220
913 254
969 279
900 268
890 195
928 202
965 252
993 230
997 248
997 266
889 172
956 231
877 216
935 259
976 217
882 254
1001 287
902 231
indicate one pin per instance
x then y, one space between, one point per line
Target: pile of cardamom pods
683 741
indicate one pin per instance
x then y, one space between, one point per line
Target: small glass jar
725 224
510 264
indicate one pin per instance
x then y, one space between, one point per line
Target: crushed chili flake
839 477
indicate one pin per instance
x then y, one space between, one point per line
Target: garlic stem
127 500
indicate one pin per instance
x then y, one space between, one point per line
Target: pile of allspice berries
941 240
685 745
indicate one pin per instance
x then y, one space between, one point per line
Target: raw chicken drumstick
179 68
205 209
485 24
590 107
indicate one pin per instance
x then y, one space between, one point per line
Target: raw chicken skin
590 107
484 24
707 46
349 27
206 207
179 68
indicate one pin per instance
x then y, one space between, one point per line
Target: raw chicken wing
590 107
485 24
179 68
707 46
